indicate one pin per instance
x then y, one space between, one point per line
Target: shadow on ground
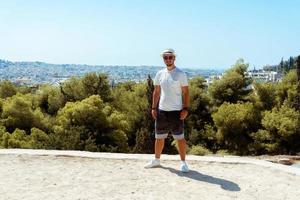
192 174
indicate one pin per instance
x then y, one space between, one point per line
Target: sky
209 34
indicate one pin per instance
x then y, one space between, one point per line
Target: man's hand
183 114
154 113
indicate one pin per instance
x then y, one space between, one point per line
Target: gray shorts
169 122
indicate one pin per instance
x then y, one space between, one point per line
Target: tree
199 112
2 133
130 99
264 92
144 139
76 89
7 89
298 68
96 84
94 121
235 123
39 139
18 139
199 123
297 97
18 112
49 99
233 86
287 89
281 133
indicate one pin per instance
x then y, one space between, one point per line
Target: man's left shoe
184 167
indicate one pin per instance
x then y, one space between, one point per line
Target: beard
169 64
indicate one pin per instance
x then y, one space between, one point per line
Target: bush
223 152
18 139
206 137
199 150
39 139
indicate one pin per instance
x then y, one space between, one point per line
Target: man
170 89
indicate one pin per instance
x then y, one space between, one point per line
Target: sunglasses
168 57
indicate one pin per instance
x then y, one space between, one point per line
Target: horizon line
111 65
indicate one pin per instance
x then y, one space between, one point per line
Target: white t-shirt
170 83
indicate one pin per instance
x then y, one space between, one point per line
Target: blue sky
205 34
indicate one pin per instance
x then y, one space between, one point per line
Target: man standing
171 90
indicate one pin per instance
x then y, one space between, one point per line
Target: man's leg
182 151
159 145
160 135
182 148
178 134
160 132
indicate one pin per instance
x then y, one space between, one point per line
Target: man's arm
155 98
156 95
186 96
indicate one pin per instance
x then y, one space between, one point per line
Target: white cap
168 51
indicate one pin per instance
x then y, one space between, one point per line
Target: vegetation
231 116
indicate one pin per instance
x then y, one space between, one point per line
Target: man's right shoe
153 163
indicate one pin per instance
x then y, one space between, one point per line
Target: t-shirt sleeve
156 79
183 80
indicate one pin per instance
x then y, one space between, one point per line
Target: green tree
199 123
233 86
131 99
72 90
145 139
49 99
96 84
75 89
18 139
263 95
287 89
281 132
235 123
96 121
297 97
199 112
18 112
7 89
39 139
2 132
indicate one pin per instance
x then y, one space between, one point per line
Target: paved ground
42 175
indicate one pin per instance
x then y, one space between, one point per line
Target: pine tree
298 68
145 139
297 106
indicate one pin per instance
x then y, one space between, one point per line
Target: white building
264 76
210 79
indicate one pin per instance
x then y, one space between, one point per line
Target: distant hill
31 73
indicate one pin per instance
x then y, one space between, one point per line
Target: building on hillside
264 76
211 79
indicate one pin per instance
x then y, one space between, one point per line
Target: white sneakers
184 167
156 163
153 163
